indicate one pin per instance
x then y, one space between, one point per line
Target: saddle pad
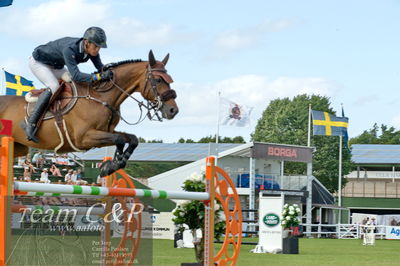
66 104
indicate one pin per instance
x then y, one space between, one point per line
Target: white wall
173 179
233 165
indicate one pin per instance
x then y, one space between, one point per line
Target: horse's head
157 88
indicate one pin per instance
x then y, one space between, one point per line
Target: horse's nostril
173 111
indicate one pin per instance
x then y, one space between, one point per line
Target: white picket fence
341 231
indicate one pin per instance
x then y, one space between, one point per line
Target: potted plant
191 214
290 223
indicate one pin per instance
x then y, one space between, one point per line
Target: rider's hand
106 75
103 76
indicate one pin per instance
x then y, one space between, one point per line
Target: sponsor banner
158 225
391 219
270 234
282 152
154 226
392 232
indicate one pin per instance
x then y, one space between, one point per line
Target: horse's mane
121 63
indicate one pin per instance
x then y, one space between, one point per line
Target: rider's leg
47 76
40 107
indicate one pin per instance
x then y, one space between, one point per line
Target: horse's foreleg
121 157
101 138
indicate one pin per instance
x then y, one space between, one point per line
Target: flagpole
309 178
217 135
340 176
309 126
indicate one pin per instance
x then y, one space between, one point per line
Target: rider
47 64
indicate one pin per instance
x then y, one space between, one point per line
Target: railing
342 231
272 181
76 159
374 174
374 189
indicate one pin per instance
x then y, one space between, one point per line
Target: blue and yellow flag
17 85
329 125
345 135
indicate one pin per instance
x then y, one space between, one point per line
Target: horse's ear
152 59
165 60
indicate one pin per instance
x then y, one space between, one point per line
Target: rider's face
92 49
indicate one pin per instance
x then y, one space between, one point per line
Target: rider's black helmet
97 36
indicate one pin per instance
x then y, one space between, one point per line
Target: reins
151 106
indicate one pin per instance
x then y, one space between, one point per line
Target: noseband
159 99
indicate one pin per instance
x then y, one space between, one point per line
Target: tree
286 121
208 139
388 135
182 140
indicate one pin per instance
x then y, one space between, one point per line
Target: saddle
60 103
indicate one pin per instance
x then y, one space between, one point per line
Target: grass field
34 250
312 252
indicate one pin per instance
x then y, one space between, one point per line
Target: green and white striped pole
23 188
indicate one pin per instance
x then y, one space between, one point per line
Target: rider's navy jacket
67 52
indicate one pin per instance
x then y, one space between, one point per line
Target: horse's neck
129 78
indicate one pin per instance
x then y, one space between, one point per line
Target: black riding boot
41 105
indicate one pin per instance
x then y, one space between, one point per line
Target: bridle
159 99
153 107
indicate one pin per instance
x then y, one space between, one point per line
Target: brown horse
92 120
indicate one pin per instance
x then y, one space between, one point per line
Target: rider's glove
96 77
103 76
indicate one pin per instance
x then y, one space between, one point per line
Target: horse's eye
158 80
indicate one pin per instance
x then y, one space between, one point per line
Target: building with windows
374 186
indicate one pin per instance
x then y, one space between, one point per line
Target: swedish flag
329 125
17 85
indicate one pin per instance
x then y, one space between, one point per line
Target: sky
251 52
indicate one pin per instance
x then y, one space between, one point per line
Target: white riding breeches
48 75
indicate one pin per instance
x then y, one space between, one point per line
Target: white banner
154 226
392 232
233 114
270 229
159 225
391 219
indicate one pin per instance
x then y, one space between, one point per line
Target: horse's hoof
107 168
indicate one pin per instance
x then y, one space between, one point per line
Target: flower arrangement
191 214
290 216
